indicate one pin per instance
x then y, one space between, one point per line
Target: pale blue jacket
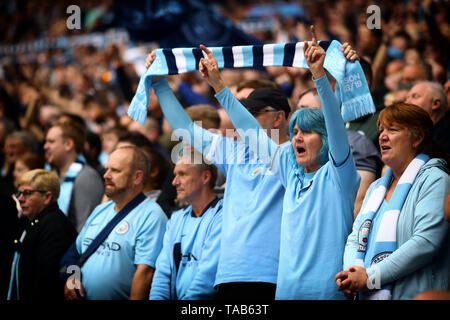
422 259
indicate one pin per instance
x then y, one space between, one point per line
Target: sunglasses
27 193
255 111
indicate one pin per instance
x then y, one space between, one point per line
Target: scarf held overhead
350 80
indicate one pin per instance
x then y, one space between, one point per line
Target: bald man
122 267
431 97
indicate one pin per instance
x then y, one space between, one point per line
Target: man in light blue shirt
186 268
122 267
252 203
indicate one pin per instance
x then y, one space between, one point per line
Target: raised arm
178 119
337 136
247 126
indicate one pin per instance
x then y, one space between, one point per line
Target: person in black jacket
12 228
47 236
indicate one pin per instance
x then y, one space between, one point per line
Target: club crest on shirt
257 171
364 234
123 228
261 170
254 173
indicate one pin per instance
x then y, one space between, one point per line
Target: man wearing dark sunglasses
270 108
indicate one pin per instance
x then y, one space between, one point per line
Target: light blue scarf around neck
351 85
66 188
386 231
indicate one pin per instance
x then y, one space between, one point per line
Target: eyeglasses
27 193
255 112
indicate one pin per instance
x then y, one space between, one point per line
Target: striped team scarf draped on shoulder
66 188
350 80
385 231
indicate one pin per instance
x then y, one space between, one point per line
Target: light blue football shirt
189 258
137 239
199 241
317 207
317 219
252 204
253 201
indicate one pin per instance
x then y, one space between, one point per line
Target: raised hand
209 70
314 55
150 58
148 62
349 52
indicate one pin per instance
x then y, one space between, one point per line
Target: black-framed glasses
27 193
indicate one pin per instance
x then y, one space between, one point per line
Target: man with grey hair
122 266
431 97
187 266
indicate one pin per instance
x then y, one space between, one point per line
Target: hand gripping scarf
350 80
386 230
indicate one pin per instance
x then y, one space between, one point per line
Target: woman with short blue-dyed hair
319 174
311 120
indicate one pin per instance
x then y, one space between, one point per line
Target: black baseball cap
267 97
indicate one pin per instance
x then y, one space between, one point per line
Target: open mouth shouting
300 150
384 148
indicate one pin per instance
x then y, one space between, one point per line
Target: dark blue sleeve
191 97
71 257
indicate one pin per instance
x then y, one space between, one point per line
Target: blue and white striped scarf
66 189
350 80
386 230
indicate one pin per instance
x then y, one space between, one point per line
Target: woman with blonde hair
47 236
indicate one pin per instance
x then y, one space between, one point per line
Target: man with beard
122 266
